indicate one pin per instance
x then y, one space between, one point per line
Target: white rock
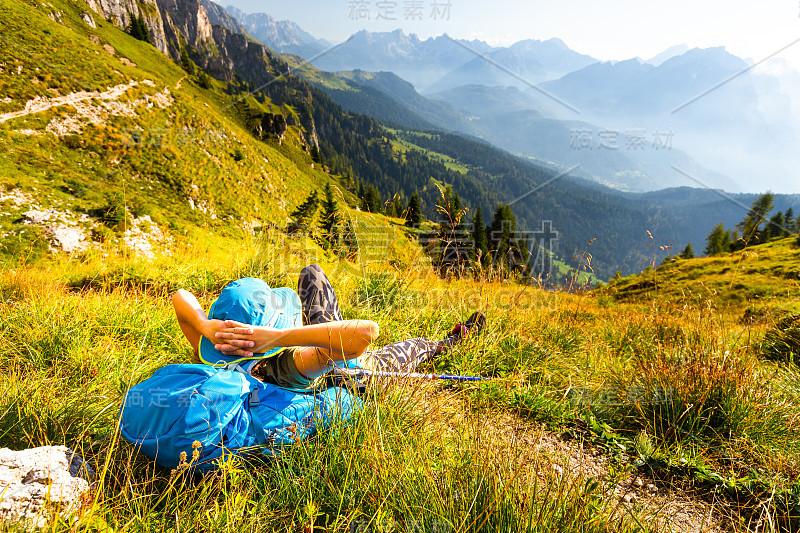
36 483
37 217
62 231
87 18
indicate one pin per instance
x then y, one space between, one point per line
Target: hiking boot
474 325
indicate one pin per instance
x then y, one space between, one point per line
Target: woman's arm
193 320
318 346
347 337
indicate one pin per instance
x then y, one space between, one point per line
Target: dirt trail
545 455
40 103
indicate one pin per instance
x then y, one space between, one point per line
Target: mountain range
280 133
280 35
734 126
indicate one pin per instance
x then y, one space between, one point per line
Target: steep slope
124 141
354 147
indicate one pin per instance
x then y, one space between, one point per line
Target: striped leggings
320 305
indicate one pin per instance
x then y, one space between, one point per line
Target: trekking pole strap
359 372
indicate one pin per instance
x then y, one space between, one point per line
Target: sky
605 30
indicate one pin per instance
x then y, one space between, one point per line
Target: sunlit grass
75 335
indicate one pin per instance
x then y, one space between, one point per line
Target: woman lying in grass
291 341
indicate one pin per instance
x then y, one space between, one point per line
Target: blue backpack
205 412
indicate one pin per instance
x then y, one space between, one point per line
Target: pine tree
186 63
329 219
502 237
414 211
203 79
479 240
750 226
776 227
718 241
361 196
688 252
316 157
349 242
376 202
137 28
396 209
304 213
455 208
791 225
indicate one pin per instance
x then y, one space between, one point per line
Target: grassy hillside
163 147
589 398
765 277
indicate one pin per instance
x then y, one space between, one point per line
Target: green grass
400 462
403 145
762 276
155 162
715 414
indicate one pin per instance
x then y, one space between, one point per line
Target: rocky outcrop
219 17
119 12
213 39
272 124
64 233
186 22
38 484
215 42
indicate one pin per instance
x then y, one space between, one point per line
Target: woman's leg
317 297
320 306
406 355
402 356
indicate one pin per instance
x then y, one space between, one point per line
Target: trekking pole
360 372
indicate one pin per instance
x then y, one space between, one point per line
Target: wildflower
196 450
183 464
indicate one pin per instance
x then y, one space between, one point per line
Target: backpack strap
235 367
253 401
261 435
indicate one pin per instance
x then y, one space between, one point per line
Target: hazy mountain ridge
738 122
734 124
507 118
520 65
421 62
280 35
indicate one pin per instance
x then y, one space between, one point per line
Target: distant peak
557 42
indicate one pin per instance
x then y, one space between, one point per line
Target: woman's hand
348 337
243 339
